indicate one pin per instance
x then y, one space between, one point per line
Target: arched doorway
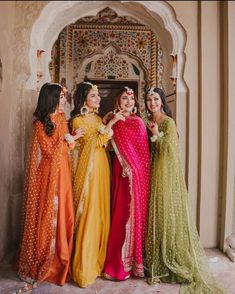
158 15
110 50
161 14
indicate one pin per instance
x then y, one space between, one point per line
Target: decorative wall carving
108 15
90 36
111 63
111 66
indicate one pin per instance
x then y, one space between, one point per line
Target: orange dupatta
40 206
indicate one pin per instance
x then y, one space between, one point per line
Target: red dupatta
130 143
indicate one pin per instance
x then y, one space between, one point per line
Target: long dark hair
48 100
118 98
79 98
162 95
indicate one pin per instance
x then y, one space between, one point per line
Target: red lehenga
48 214
130 184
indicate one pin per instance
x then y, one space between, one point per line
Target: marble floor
221 266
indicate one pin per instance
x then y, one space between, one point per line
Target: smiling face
93 100
127 102
154 102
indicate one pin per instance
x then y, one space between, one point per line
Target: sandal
27 287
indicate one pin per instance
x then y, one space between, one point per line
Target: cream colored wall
15 115
210 121
189 22
6 98
211 140
228 143
203 81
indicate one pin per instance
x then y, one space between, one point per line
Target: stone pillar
227 186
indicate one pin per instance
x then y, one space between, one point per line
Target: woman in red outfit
130 184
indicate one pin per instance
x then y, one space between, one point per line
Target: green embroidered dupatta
173 250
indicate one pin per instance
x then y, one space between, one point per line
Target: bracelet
153 138
69 138
102 130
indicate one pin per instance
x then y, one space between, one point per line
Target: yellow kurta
91 187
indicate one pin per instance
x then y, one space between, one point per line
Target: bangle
69 138
154 137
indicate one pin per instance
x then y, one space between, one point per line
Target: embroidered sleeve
103 136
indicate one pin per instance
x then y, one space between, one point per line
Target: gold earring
134 110
84 110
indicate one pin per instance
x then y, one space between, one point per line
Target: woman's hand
108 116
78 133
153 127
118 116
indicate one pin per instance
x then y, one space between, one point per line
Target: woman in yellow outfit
91 185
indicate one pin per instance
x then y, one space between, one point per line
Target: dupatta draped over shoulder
173 250
130 143
83 157
91 189
40 204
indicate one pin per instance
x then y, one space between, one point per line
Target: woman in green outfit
173 250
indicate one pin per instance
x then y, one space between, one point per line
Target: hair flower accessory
151 91
129 91
88 83
94 87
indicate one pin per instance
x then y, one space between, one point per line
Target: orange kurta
48 222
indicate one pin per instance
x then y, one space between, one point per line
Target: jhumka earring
84 110
162 110
151 91
96 110
134 110
148 113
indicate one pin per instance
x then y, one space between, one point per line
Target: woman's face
154 103
127 102
93 100
62 102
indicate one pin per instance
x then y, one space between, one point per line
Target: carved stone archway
46 30
54 18
126 64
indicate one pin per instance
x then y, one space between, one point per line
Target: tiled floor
222 267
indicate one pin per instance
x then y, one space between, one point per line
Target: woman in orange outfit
48 215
